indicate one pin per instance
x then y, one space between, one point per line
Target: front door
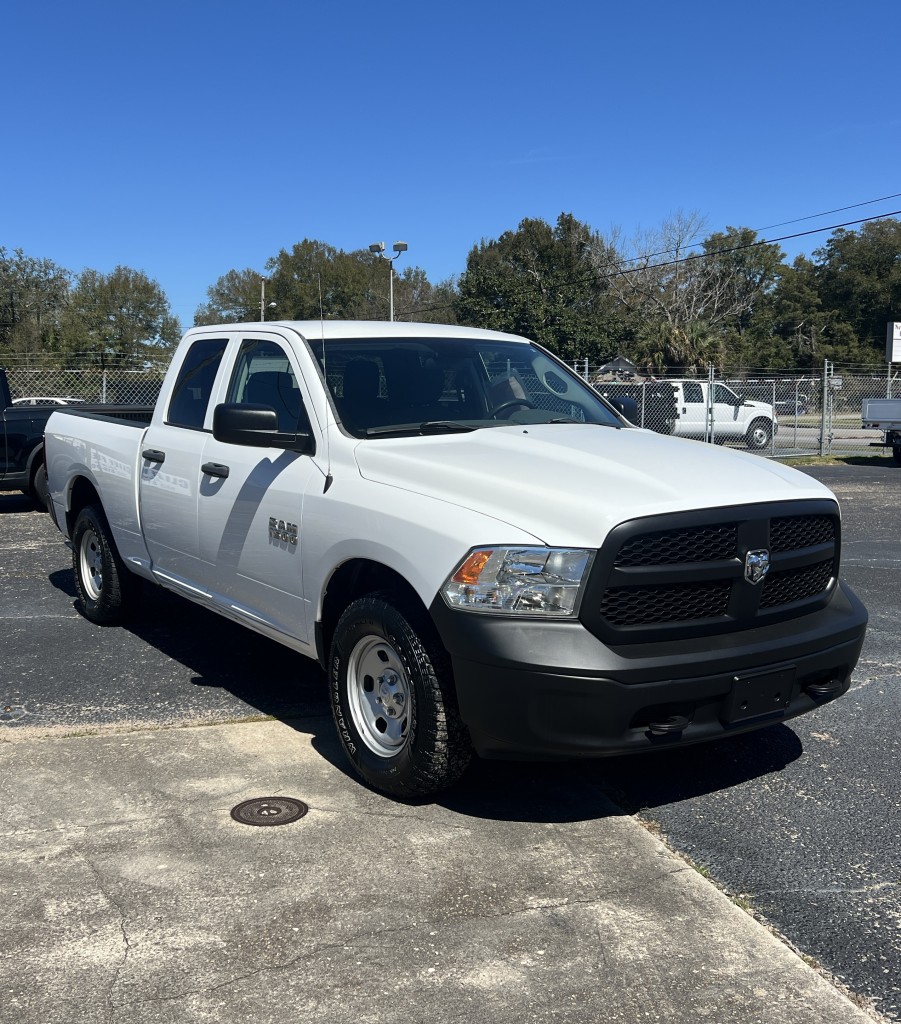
250 503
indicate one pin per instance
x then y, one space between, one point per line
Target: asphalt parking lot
526 893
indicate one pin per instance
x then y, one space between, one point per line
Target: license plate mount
758 696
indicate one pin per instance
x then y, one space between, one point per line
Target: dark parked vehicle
22 440
22 445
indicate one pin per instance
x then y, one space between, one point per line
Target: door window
693 393
263 375
191 394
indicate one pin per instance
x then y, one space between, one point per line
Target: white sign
893 343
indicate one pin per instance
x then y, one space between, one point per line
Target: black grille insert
788 533
795 584
630 606
667 547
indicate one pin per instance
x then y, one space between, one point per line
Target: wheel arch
81 494
354 579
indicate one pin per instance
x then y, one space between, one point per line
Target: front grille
685 574
628 606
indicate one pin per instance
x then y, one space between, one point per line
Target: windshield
392 386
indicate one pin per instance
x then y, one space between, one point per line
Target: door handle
215 469
154 455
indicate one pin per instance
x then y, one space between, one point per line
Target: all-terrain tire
108 592
393 698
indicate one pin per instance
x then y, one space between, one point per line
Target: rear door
692 409
250 501
170 466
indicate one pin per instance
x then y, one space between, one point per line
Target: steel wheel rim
91 564
759 437
379 693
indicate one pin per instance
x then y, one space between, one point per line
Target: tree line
687 299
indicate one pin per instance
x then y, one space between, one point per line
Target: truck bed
881 413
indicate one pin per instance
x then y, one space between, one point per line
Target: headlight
519 581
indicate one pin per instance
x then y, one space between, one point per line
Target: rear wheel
393 699
896 453
759 434
108 592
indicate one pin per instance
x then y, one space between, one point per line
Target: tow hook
825 690
668 726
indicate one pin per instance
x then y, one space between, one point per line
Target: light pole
379 249
263 306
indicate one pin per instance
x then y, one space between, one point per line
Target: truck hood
570 484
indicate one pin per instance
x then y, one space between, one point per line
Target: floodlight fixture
378 248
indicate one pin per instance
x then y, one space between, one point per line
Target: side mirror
257 426
627 407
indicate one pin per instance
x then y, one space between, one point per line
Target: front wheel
107 590
393 699
759 434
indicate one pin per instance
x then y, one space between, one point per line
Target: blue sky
188 138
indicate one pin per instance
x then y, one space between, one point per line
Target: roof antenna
328 445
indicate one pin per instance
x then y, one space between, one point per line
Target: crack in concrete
378 937
120 967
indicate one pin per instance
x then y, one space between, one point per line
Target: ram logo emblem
279 530
757 565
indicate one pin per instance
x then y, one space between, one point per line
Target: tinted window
191 394
263 375
722 394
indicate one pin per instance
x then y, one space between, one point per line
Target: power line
759 242
797 220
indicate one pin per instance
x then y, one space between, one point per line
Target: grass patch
873 461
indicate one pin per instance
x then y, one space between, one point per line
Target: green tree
689 308
538 281
858 278
350 285
233 299
33 296
122 316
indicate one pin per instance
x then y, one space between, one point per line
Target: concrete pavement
129 894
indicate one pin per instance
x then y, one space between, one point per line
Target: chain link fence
779 413
113 387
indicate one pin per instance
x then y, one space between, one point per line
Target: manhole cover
269 810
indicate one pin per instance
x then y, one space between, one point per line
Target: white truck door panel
170 474
170 464
250 499
250 532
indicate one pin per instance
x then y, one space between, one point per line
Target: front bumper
547 689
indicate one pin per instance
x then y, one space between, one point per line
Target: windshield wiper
570 419
428 427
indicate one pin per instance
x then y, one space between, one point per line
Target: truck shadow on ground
265 678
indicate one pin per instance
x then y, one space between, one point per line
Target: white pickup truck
481 553
722 414
884 414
